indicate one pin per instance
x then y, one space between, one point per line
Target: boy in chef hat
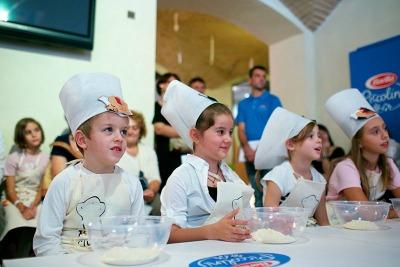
288 145
203 195
94 186
366 173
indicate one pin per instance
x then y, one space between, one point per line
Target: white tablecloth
321 246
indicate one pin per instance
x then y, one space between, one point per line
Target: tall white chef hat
86 95
281 126
350 110
182 107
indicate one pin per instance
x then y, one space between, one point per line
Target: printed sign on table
254 259
375 71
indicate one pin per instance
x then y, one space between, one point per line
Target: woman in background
168 159
141 161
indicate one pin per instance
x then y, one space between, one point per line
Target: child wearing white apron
94 186
203 195
23 170
289 148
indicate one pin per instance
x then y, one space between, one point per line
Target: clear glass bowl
276 224
357 215
396 205
128 240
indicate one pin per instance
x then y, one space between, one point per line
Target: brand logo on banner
242 260
375 71
382 80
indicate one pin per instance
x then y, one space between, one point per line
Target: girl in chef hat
288 145
203 195
366 173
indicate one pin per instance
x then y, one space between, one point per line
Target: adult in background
198 84
63 150
169 158
253 114
141 161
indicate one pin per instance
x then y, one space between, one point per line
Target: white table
322 246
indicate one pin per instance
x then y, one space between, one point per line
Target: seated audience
24 169
141 161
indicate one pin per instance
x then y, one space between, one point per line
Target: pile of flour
271 236
129 256
360 225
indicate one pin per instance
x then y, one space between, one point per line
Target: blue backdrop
375 70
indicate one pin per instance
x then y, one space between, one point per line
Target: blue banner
375 71
261 259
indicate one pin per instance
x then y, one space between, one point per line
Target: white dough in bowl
129 256
271 236
360 225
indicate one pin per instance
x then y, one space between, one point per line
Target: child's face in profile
375 137
215 142
33 135
107 142
310 148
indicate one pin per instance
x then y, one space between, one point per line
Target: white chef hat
281 126
182 107
350 110
86 95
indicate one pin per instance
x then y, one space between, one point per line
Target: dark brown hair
19 132
196 79
164 78
207 117
257 67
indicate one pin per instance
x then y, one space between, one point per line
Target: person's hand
148 195
249 153
21 207
33 211
25 211
229 229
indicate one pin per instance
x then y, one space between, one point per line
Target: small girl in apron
23 170
92 187
366 173
203 195
289 144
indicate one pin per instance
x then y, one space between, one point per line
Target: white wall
31 76
353 24
308 68
291 74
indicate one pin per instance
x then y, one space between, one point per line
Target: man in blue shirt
253 114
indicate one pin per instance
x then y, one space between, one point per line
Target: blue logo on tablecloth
242 260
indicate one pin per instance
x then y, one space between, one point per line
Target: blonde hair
302 135
355 154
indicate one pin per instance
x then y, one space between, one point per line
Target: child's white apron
230 196
306 194
92 196
26 186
